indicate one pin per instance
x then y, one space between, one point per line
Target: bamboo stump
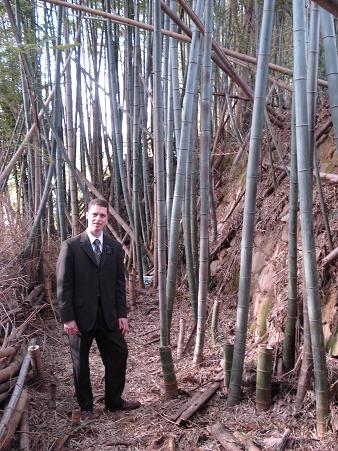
263 383
170 383
37 366
228 350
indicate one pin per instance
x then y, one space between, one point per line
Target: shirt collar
92 238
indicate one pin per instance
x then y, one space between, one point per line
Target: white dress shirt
92 238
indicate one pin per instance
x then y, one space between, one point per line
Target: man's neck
100 235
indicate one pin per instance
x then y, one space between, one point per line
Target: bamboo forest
207 133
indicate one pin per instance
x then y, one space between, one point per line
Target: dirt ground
150 427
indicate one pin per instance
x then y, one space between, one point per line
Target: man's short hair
100 203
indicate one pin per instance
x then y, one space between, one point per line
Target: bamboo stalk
250 204
21 149
181 337
116 19
306 218
214 320
130 22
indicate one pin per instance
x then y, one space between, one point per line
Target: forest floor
151 426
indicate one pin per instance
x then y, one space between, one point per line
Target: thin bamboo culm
250 203
204 184
304 161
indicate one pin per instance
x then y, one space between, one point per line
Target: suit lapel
86 247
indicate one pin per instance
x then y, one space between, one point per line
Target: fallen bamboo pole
24 430
14 406
198 401
13 368
331 257
8 430
7 352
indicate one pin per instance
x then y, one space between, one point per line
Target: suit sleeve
121 305
65 280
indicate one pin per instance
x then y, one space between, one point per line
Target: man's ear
86 214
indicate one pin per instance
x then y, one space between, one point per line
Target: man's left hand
123 326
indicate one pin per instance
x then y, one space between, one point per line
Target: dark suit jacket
81 282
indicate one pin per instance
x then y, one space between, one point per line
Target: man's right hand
71 328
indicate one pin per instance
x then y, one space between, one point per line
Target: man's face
97 218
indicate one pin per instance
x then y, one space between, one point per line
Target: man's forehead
98 209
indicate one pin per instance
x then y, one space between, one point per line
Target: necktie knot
97 250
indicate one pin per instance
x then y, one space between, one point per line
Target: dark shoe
126 406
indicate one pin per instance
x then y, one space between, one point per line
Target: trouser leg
113 347
79 349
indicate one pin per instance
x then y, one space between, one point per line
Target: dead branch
198 401
58 444
243 439
34 295
283 442
331 257
8 385
225 438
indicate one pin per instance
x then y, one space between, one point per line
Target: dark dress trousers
94 296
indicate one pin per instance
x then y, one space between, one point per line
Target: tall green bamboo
205 145
250 203
57 123
169 147
170 383
71 142
136 151
290 326
175 79
331 64
312 81
304 161
184 148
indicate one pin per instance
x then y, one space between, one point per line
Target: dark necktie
97 251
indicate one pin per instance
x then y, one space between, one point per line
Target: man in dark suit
92 304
